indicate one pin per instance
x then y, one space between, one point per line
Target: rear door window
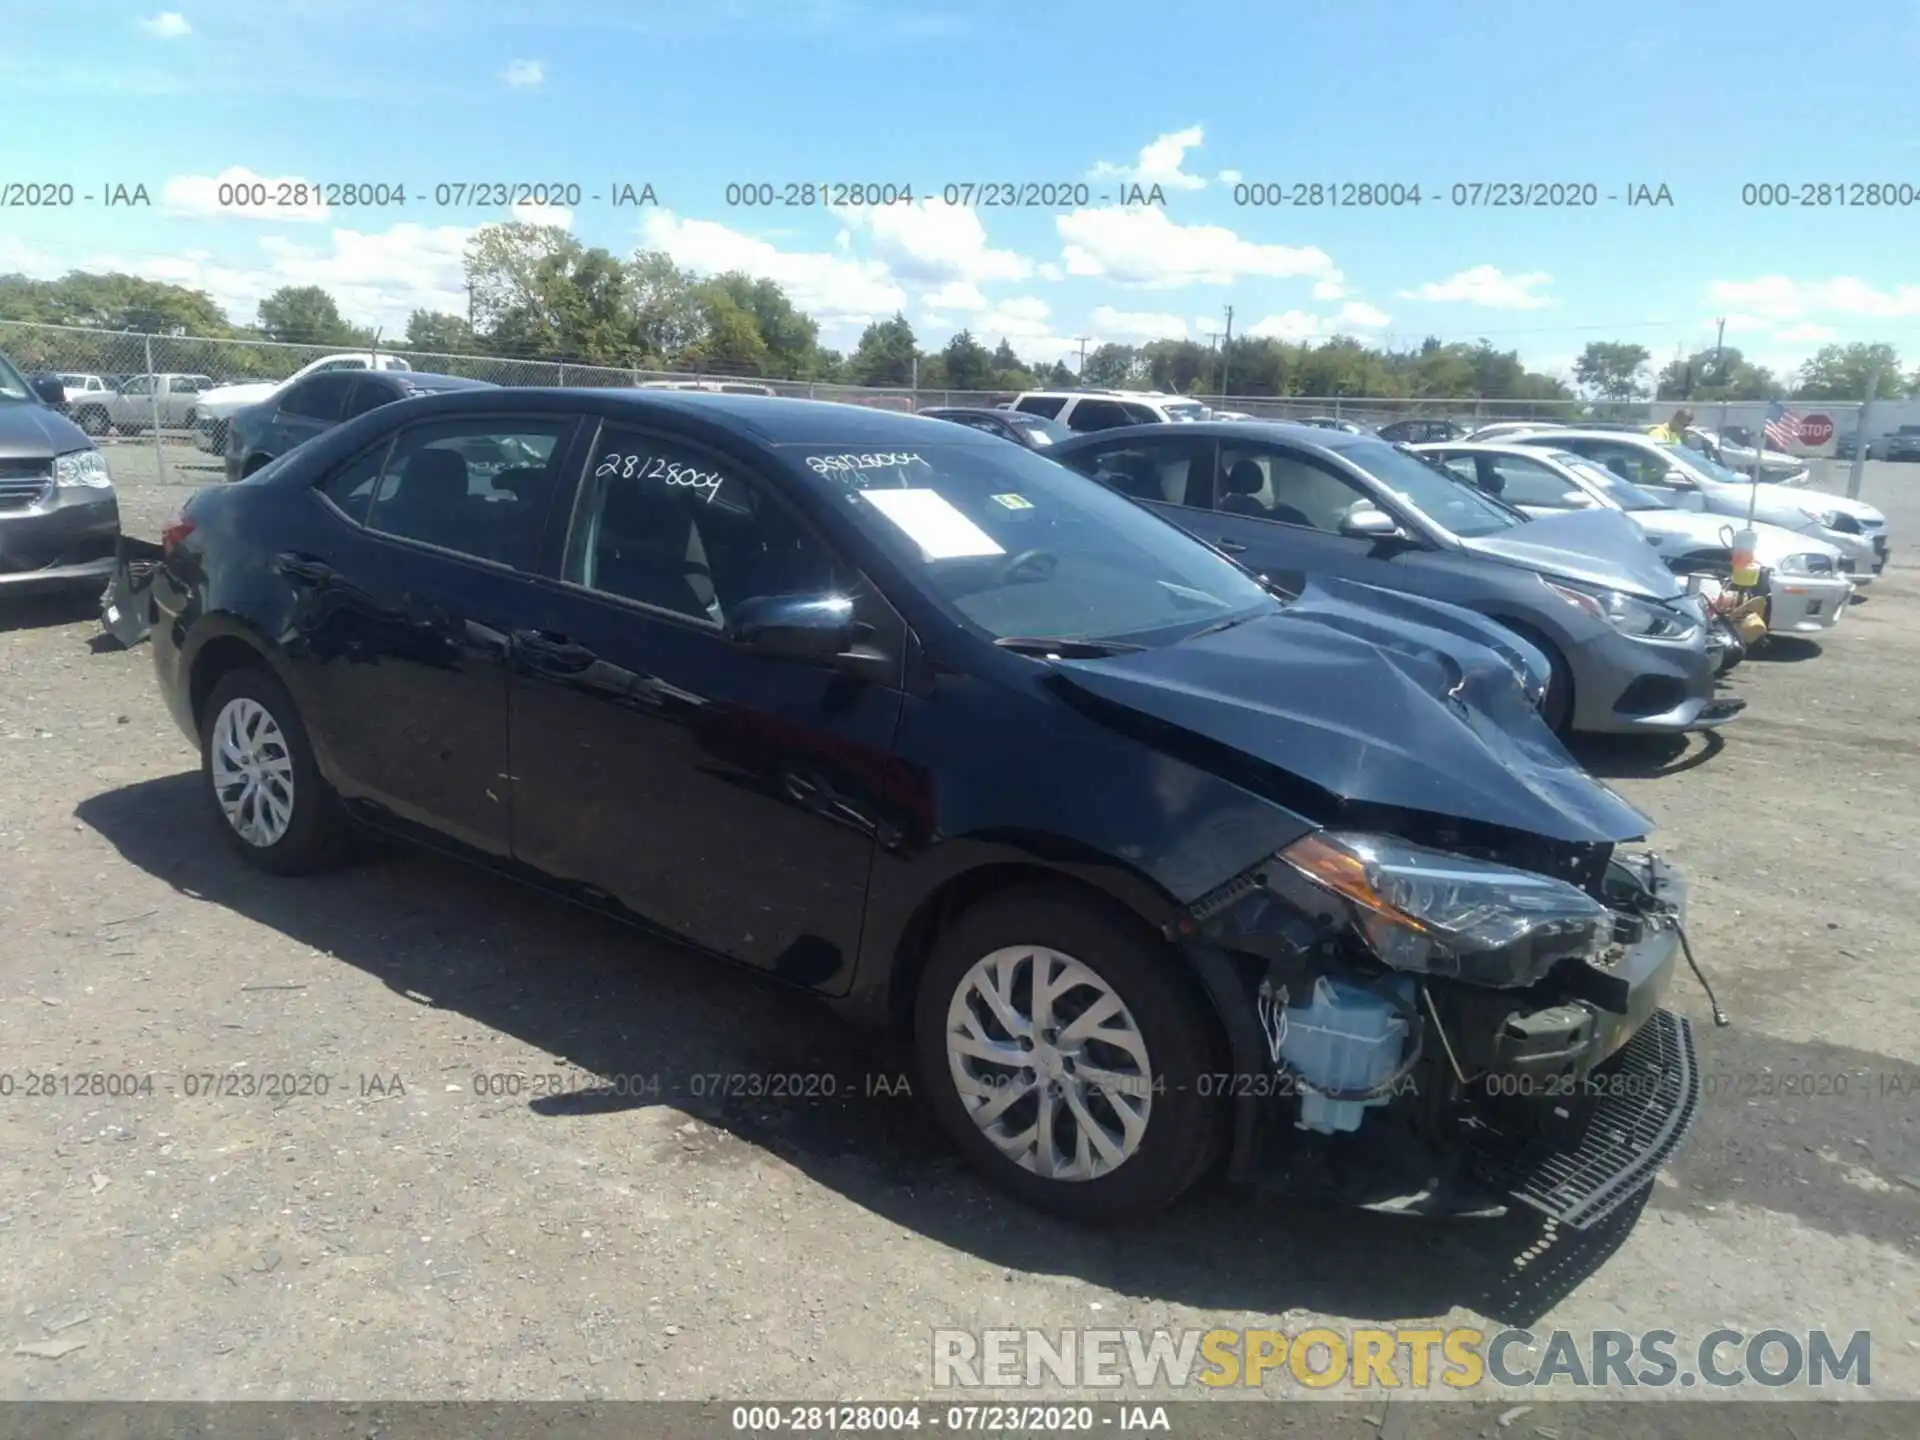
318 397
478 485
1047 405
1097 415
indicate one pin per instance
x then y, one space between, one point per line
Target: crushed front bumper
1565 1097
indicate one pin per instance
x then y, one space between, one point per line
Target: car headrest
434 475
1245 478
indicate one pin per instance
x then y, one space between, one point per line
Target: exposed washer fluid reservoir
1347 1037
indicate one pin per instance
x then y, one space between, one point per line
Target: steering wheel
1028 565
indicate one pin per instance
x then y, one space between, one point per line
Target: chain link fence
130 389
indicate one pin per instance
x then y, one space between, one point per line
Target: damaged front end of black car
1449 995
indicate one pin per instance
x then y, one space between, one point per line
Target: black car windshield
1013 545
1454 507
13 385
1043 430
1622 494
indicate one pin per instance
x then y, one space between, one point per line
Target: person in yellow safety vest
1675 430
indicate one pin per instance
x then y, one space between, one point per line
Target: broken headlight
1433 913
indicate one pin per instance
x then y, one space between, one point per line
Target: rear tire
1131 1127
92 421
260 779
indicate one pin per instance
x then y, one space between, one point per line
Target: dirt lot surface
411 1233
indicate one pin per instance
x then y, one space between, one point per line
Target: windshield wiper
1065 649
1227 624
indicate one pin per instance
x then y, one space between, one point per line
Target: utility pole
1720 374
1226 354
1213 356
1083 339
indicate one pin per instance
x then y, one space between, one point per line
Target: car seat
430 502
1241 493
647 547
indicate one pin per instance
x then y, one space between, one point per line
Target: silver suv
1086 410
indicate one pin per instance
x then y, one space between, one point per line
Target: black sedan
262 433
1157 868
1036 432
1420 432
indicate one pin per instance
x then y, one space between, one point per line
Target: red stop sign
1815 430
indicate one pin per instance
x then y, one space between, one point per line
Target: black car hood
1366 701
1600 547
30 431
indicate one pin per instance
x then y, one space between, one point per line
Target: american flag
1783 428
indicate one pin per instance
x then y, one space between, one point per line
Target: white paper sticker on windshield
1014 502
929 519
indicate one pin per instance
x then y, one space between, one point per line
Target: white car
1085 410
1806 591
1783 469
219 405
1501 429
1688 480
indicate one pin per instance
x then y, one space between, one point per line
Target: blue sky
688 97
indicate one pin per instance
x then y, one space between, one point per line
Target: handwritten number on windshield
655 467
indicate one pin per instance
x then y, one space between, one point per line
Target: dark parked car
1627 645
1420 432
1036 432
1134 849
261 433
1902 444
59 519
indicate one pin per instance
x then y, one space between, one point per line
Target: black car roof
771 419
1310 437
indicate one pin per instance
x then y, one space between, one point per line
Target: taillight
174 531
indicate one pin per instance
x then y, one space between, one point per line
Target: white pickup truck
218 406
141 400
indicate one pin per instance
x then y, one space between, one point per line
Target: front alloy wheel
252 772
1067 1048
1049 1063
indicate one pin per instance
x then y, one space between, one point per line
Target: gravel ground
402 1236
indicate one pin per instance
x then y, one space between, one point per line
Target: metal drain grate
1655 1092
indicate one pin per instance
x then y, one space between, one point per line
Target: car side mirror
1369 522
794 627
1678 479
51 390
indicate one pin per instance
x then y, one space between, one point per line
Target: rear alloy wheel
1065 1053
273 804
93 421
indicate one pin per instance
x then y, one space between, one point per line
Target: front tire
1066 1051
260 779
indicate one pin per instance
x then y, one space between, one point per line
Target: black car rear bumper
63 537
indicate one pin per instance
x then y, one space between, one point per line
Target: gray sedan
1627 645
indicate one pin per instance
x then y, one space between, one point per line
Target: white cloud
1159 162
1486 286
1329 290
1229 177
201 196
956 295
1050 271
1289 325
835 289
167 25
1115 324
934 242
556 215
525 74
1300 325
1806 332
1780 298
1143 247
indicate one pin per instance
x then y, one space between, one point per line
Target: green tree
1839 372
789 336
111 300
968 363
1611 369
538 291
303 315
1725 374
885 354
732 343
1109 367
438 333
